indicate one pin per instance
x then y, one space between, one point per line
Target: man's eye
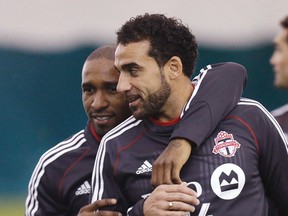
88 90
112 89
133 71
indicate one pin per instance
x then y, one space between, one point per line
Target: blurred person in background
279 61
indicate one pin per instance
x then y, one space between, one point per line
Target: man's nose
272 59
124 82
100 100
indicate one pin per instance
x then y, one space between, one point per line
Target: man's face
279 59
104 106
143 82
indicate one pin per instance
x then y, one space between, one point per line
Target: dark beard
156 101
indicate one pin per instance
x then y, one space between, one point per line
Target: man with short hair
243 161
61 181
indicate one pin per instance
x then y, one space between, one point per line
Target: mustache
131 96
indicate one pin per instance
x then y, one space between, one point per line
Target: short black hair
106 52
284 24
168 37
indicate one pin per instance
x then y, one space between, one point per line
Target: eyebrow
110 83
129 65
105 83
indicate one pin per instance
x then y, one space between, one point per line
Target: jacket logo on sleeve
225 144
145 167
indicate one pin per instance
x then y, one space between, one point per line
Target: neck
181 91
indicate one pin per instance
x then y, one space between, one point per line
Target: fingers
162 168
161 172
175 174
171 200
167 167
177 206
157 172
90 210
173 208
181 193
167 174
183 198
99 204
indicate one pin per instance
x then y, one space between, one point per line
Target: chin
281 86
277 84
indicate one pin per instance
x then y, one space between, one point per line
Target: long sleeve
273 163
218 89
42 198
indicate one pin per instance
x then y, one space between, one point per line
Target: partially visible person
279 61
61 181
243 161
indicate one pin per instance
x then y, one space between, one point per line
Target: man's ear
175 67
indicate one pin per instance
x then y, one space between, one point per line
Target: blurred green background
41 105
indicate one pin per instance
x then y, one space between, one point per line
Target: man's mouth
101 118
133 99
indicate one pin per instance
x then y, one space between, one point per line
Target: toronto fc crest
225 144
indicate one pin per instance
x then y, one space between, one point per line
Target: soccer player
279 60
61 181
243 161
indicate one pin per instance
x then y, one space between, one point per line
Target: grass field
12 206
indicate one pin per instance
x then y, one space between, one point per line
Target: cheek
283 58
285 72
118 103
285 62
278 59
153 84
86 102
282 66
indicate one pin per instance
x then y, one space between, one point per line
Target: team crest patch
225 144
